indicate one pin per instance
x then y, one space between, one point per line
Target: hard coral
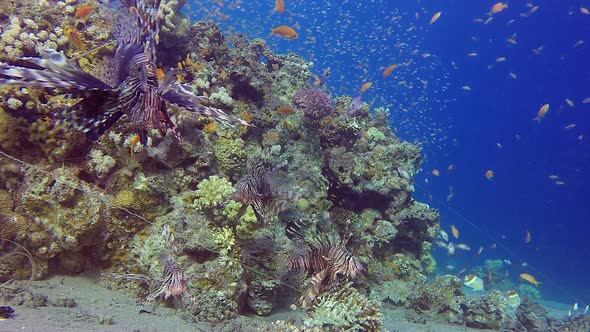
316 104
345 310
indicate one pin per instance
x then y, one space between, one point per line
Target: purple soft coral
315 103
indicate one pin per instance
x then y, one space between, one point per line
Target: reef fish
355 107
528 237
128 84
286 32
541 113
389 70
435 17
83 11
463 246
366 86
489 174
258 188
455 231
498 7
513 299
443 235
280 6
530 278
474 282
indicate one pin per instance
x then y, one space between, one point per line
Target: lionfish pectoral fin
85 117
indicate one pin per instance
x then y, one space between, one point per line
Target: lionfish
127 85
326 262
258 188
173 284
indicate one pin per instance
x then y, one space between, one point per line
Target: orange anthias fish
280 6
455 231
83 11
286 32
435 172
530 278
75 39
542 112
389 70
160 74
285 110
435 17
366 86
489 174
498 7
133 144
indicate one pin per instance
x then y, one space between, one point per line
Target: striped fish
257 188
325 262
127 86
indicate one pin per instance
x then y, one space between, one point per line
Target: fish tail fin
536 119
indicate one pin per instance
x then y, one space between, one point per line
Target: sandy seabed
82 303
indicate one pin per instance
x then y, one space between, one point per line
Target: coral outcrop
349 178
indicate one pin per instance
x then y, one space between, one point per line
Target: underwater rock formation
107 209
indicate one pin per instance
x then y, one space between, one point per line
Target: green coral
376 135
248 224
128 199
427 260
212 192
225 240
230 154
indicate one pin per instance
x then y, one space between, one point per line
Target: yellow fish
530 278
542 112
455 231
435 17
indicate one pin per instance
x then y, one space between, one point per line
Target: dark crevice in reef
201 256
243 90
349 199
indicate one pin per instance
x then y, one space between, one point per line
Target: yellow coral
225 240
129 199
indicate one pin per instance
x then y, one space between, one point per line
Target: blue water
357 40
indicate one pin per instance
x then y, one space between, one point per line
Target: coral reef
222 192
345 310
314 103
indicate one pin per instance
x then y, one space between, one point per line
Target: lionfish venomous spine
127 85
326 262
258 189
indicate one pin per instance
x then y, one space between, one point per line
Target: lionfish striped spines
258 189
326 263
54 70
